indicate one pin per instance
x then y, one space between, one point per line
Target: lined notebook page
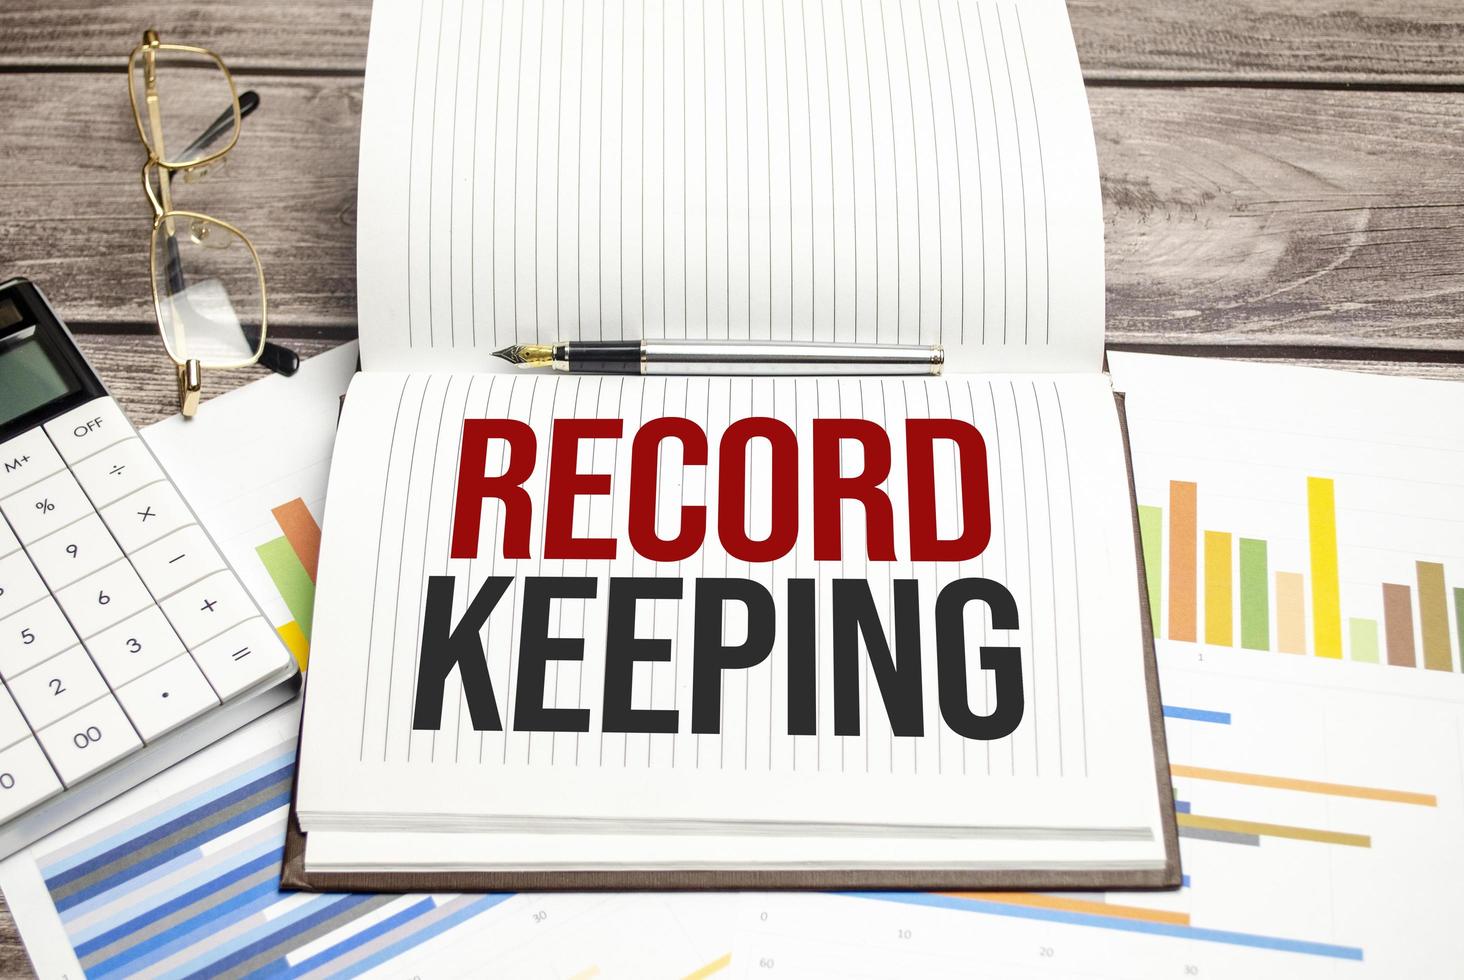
912 171
1061 543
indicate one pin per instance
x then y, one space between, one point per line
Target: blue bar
211 887
1197 714
188 932
1184 881
1112 922
126 834
192 818
281 967
162 857
306 918
481 904
120 906
1181 806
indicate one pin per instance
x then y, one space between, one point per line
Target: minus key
177 561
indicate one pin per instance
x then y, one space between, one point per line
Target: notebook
574 631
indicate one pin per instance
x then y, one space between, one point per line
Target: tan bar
1398 624
1290 613
1433 610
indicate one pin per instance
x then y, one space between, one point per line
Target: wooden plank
76 219
1316 40
1308 41
1283 217
13 960
327 35
1233 215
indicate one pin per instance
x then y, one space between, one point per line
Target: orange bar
302 532
1035 900
1304 785
1290 613
1183 555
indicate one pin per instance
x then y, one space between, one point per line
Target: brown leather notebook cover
294 876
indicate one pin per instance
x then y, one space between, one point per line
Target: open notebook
611 632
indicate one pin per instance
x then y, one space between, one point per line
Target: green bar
1364 636
1459 622
291 579
1151 530
1255 608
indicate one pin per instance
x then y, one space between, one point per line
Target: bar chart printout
1411 619
291 561
1311 847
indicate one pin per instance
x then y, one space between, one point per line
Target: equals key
177 561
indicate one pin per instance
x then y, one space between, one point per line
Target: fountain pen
727 357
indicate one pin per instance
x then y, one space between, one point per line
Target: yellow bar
1041 901
1321 508
1219 601
1272 830
715 966
1304 785
294 638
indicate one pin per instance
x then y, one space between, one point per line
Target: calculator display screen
30 374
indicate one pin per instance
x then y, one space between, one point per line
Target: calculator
126 641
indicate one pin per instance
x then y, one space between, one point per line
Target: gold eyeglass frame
190 370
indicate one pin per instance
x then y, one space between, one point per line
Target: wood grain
76 219
1322 41
1233 214
1283 217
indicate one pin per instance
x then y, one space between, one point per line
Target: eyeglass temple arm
276 357
248 102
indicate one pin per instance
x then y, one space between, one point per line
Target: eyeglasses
207 283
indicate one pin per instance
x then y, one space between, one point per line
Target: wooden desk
1281 178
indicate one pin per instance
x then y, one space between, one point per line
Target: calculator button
104 598
89 429
20 584
144 516
74 551
36 633
177 561
8 541
207 608
117 471
86 740
134 646
45 507
12 726
26 778
166 697
26 459
243 657
56 688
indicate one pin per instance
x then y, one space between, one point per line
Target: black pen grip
604 356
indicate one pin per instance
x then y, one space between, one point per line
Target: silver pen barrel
742 357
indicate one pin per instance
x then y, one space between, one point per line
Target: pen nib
527 355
